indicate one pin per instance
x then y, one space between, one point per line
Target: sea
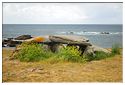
104 35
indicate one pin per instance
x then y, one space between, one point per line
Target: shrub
32 52
70 53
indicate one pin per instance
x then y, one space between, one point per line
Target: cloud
61 13
43 13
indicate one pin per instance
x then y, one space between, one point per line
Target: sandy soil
106 70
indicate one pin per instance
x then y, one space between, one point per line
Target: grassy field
105 70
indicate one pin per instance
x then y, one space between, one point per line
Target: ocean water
91 31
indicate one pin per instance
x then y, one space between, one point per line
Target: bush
35 52
115 49
32 52
70 53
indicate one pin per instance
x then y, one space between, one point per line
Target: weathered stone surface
5 42
72 38
53 47
39 39
8 43
23 37
12 43
93 49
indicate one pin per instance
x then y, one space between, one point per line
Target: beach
105 70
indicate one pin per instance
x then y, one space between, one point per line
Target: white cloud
61 13
43 13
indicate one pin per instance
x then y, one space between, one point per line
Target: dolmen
55 42
80 41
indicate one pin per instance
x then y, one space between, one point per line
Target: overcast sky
62 13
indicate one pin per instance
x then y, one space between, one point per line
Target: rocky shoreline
12 42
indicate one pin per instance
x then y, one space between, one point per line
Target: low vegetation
115 49
49 70
70 53
97 56
31 52
102 55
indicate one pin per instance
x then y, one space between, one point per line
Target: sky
62 13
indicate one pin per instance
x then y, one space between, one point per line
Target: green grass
32 51
97 56
115 49
102 55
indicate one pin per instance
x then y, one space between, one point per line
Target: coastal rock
93 49
71 32
46 47
4 43
39 39
23 37
105 33
55 47
9 43
66 38
10 38
70 40
12 43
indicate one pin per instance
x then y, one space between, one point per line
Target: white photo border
77 1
